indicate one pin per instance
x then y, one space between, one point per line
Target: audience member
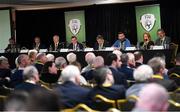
125 67
141 75
71 57
32 56
75 45
122 41
41 59
49 73
89 57
72 93
117 52
17 77
152 97
31 77
158 65
114 63
60 63
138 58
50 57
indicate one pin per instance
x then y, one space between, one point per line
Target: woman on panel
147 43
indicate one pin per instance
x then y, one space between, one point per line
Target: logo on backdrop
148 21
74 26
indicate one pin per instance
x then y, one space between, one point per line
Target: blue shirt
126 43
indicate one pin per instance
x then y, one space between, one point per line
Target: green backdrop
148 9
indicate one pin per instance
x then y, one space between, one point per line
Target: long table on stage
148 54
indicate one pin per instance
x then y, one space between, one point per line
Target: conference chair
2 101
127 104
102 103
174 48
175 77
45 85
173 105
80 107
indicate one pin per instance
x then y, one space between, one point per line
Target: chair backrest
102 103
45 85
174 75
174 47
2 101
174 106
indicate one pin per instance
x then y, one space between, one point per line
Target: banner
75 25
148 20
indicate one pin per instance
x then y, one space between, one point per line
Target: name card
157 47
109 48
130 48
88 49
64 50
42 50
2 50
24 51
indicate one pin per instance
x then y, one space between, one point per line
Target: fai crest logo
148 21
74 26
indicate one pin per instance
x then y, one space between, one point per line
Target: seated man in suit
12 46
101 43
56 45
122 42
72 94
162 40
75 45
158 65
105 85
31 77
17 78
41 59
37 44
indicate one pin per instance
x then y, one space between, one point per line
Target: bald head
153 97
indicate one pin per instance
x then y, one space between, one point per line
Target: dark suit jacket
167 40
170 85
3 74
17 78
78 44
138 64
113 92
12 48
72 94
25 86
127 71
176 70
41 46
52 47
119 77
150 43
96 46
49 78
39 66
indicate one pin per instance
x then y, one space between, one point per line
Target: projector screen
5 27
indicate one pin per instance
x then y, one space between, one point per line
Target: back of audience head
98 62
4 64
138 56
153 97
49 67
23 60
113 60
50 57
89 57
143 73
70 73
124 59
103 75
32 55
31 73
117 52
60 62
71 57
157 64
131 61
16 101
41 57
